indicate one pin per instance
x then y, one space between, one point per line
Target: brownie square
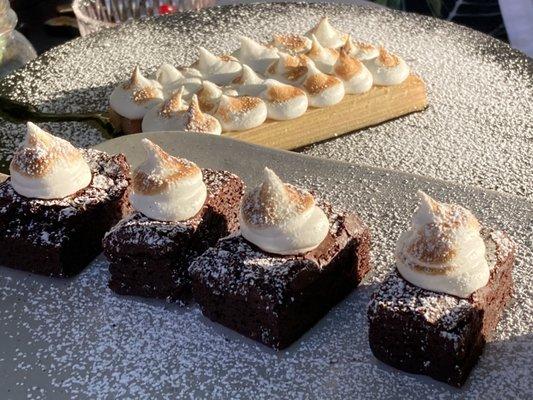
151 258
275 299
436 334
60 237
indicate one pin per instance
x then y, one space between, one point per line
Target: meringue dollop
292 44
323 90
256 55
132 99
48 167
388 69
443 250
220 70
324 58
283 101
240 113
327 35
167 188
356 77
282 219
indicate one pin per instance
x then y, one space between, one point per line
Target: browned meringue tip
387 59
347 66
282 93
318 82
291 41
173 104
237 105
134 79
145 94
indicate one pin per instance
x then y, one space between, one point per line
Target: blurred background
47 23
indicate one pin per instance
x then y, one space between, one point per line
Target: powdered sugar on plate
478 129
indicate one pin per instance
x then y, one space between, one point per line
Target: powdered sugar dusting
477 130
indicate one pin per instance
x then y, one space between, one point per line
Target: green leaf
435 6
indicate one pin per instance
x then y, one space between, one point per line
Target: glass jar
15 49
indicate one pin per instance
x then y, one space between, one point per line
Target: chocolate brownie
436 334
60 237
275 299
150 258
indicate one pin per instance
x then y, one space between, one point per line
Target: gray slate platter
75 339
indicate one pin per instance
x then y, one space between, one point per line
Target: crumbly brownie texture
436 334
60 237
151 258
123 124
275 299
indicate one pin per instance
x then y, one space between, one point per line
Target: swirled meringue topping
240 113
218 69
174 116
292 44
256 55
323 90
209 96
132 99
283 101
167 188
248 83
361 50
355 76
48 167
282 219
443 250
327 35
288 69
388 69
324 58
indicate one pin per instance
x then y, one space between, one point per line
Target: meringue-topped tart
388 68
443 250
57 204
281 219
48 167
436 310
296 257
167 188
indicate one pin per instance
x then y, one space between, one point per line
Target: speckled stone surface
478 129
75 339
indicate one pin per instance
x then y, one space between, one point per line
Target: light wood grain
354 112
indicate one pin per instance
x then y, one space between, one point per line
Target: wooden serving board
379 104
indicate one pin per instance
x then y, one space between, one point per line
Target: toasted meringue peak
288 69
282 219
388 69
189 72
167 188
324 58
256 55
443 250
209 96
323 90
292 44
218 69
48 167
173 104
327 35
240 113
283 101
167 74
178 118
131 99
248 83
355 76
361 50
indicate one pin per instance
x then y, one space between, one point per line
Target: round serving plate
478 129
74 338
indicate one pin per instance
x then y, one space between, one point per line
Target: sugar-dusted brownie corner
60 237
274 299
150 258
437 334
